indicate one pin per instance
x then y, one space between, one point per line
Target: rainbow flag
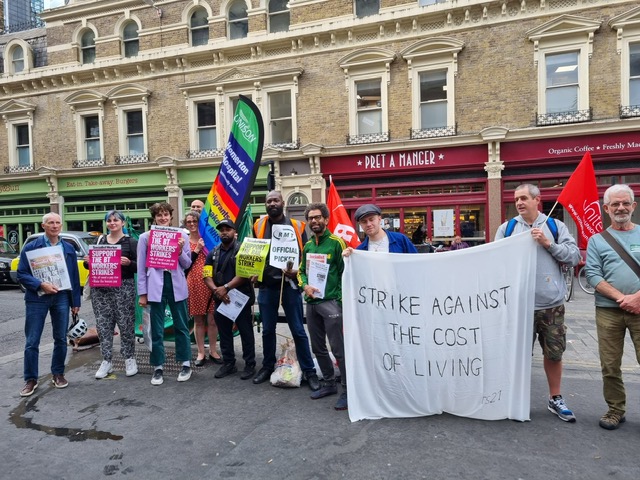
231 189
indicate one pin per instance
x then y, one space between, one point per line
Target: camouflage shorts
548 325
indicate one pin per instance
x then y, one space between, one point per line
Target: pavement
123 427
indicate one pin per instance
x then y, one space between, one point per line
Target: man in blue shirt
42 297
369 217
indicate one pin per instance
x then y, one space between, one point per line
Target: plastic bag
287 372
336 369
86 292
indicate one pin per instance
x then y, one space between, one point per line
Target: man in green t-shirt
322 287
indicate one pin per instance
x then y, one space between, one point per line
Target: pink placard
104 266
163 250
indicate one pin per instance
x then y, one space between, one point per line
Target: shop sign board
570 148
406 161
137 180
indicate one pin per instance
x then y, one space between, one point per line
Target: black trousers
244 323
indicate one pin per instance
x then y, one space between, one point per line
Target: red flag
339 222
580 198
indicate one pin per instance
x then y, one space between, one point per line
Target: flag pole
552 208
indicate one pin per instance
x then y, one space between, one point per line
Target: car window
5 247
75 246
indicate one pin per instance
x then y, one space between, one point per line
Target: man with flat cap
369 217
220 276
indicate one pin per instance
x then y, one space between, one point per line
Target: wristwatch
226 285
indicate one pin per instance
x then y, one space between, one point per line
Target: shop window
280 119
88 47
130 102
238 20
562 48
365 8
130 41
199 27
279 16
206 126
18 117
367 77
432 68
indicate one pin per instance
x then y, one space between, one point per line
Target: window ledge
96 162
18 169
368 138
131 159
433 132
629 111
561 118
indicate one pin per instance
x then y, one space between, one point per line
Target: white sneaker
104 370
131 367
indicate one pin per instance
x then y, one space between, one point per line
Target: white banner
452 332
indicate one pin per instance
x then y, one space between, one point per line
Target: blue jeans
58 306
180 325
268 301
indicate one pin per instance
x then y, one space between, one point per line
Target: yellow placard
252 257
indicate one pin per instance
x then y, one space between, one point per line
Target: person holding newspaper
228 289
320 276
162 287
42 297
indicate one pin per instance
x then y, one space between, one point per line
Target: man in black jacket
220 276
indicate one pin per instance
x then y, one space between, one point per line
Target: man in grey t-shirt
617 297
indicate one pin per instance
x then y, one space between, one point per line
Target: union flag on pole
339 222
580 198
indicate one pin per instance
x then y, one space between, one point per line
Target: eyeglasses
316 218
620 204
190 221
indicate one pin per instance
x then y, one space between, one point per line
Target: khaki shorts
548 325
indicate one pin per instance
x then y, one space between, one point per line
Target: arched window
17 60
238 20
279 16
88 47
130 41
199 27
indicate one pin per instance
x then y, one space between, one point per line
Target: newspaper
48 265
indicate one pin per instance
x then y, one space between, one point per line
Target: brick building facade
423 107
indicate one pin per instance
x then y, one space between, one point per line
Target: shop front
22 205
549 163
429 193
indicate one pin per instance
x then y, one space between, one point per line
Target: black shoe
313 381
226 369
200 362
325 391
263 375
216 360
249 371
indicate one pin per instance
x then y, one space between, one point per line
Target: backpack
551 223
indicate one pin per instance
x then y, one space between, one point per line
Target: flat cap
225 223
367 209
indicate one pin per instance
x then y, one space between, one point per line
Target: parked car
80 242
7 254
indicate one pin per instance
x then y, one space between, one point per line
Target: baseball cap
225 223
367 209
